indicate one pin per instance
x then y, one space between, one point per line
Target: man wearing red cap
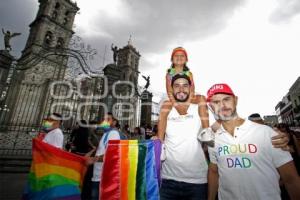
244 163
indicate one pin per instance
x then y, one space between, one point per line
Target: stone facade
28 97
295 99
288 109
122 80
51 29
5 64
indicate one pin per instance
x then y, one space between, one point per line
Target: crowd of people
90 139
234 158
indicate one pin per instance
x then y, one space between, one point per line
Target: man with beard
184 171
244 164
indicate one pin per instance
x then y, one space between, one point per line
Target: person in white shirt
184 170
110 133
244 164
54 134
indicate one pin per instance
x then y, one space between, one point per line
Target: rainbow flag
55 174
131 170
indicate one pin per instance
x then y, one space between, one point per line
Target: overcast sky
254 46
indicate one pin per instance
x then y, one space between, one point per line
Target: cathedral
38 80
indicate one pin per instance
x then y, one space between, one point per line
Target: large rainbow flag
131 170
55 174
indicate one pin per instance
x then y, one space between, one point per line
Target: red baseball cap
217 89
179 49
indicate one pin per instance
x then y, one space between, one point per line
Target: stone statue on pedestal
115 51
147 82
7 36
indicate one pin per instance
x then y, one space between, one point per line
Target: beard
181 99
226 118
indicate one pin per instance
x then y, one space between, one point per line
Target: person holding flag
110 133
54 135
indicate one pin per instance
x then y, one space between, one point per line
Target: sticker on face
47 125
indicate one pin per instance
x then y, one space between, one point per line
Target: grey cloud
154 24
285 11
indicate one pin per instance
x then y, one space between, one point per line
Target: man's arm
203 112
162 121
169 88
90 140
213 181
281 140
3 31
291 179
91 144
112 135
92 160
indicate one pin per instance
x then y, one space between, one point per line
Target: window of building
1 72
60 43
56 11
48 38
132 78
66 18
132 61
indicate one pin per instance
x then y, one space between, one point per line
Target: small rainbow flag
55 174
104 124
131 170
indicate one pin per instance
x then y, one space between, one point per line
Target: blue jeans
175 190
95 191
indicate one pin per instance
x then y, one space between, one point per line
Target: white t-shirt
143 132
185 160
112 135
247 163
55 138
